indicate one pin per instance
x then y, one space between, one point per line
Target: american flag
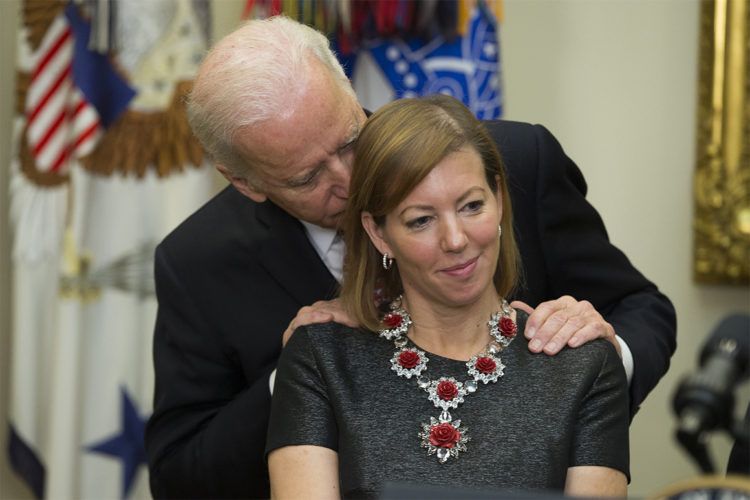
63 122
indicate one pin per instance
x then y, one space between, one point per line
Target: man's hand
555 323
322 311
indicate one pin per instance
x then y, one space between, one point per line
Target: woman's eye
419 222
474 206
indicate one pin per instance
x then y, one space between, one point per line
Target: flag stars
127 445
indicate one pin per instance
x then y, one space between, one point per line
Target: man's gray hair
247 78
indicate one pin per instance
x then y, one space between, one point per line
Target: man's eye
418 223
305 182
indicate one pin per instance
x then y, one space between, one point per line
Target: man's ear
241 184
375 233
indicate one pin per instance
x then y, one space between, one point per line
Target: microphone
704 401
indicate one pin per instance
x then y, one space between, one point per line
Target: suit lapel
289 257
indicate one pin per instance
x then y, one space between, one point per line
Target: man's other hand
564 321
321 311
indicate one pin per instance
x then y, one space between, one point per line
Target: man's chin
334 221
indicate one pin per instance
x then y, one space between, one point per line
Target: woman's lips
462 270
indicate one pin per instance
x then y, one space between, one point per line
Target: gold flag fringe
28 167
37 17
22 87
137 140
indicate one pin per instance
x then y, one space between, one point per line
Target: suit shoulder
519 138
227 206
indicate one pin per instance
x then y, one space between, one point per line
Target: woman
443 393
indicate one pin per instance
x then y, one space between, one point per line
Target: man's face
302 160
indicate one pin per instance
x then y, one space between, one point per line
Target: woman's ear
375 232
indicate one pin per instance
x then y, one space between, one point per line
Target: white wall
615 81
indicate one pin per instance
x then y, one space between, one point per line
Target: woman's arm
594 481
599 461
304 472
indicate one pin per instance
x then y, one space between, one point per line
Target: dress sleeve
601 435
301 412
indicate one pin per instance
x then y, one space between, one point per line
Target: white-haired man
274 110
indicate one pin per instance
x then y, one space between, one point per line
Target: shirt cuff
627 359
272 376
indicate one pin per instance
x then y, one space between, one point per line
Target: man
277 115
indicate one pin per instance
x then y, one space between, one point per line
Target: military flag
105 166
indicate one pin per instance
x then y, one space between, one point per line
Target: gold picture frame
722 175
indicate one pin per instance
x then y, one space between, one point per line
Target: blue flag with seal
467 68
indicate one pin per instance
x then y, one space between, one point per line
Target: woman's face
444 235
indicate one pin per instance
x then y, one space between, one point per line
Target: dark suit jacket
232 276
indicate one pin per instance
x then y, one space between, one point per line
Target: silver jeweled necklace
443 435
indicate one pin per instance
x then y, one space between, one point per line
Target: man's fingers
322 311
559 336
518 304
538 319
336 311
566 321
595 330
554 333
305 316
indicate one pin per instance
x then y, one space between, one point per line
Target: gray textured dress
335 388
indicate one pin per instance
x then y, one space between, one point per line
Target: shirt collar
321 237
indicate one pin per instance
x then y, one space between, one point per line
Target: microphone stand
693 439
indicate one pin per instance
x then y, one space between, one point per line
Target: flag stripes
61 123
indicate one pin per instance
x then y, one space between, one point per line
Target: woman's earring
387 262
499 231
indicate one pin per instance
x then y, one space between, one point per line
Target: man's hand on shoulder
564 321
321 311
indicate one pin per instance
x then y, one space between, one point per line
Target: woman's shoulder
598 350
335 336
335 349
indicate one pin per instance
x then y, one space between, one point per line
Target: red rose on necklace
447 390
408 359
508 327
486 365
392 320
444 435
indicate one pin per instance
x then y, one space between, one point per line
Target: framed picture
722 176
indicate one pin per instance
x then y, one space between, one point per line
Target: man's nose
341 173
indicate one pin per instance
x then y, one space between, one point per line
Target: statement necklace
443 435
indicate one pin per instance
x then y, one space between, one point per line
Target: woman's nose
453 236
